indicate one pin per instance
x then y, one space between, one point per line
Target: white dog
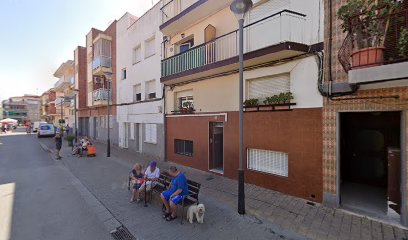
198 211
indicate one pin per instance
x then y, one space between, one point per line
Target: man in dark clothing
58 144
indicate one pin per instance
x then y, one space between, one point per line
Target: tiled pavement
288 216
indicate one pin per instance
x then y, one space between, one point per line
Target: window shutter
264 87
268 161
149 47
267 9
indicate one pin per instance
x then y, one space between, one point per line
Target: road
38 199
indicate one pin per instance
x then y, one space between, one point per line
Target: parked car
46 130
36 125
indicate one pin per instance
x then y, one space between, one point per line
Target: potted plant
367 22
70 140
403 43
188 107
251 104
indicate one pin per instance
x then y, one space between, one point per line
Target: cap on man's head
153 163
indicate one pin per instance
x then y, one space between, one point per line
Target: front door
216 147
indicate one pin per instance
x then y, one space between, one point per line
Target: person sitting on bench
84 145
151 175
175 195
137 180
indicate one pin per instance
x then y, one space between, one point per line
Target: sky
36 36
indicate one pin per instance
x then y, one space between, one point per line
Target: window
150 47
123 76
264 87
183 97
268 161
151 89
137 92
151 133
137 54
183 147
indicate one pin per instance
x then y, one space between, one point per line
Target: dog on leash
198 211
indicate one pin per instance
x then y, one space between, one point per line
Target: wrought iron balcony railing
375 40
175 7
284 26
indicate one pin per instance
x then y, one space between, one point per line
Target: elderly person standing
151 175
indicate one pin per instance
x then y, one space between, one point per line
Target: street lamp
108 76
76 91
239 8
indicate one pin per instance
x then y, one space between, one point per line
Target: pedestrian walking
67 129
58 144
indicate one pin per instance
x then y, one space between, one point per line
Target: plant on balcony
367 22
403 43
251 104
187 107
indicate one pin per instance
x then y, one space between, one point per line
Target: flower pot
71 143
251 109
366 57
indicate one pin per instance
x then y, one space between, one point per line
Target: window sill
150 142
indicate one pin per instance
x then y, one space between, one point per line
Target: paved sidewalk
275 212
106 179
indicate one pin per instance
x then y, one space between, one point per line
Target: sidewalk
276 214
106 179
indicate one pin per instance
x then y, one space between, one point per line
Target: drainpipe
164 123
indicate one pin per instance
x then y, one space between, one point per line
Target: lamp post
239 8
76 91
108 76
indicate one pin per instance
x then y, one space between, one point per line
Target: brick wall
331 108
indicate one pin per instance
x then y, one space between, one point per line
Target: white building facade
140 102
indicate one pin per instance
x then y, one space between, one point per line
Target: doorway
216 147
370 173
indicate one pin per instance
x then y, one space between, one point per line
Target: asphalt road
38 199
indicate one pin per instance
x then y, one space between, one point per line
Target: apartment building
23 108
365 117
100 85
48 110
283 135
140 103
64 94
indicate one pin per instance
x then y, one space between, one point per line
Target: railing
101 94
277 28
375 40
175 7
102 61
61 82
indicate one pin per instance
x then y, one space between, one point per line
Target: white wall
132 33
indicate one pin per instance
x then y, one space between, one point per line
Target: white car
46 130
36 125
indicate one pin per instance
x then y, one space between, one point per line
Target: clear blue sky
37 36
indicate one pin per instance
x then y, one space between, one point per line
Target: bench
165 181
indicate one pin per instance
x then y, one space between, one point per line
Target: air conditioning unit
98 79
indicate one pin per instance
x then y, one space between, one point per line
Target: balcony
61 84
179 14
102 65
261 45
376 48
101 96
